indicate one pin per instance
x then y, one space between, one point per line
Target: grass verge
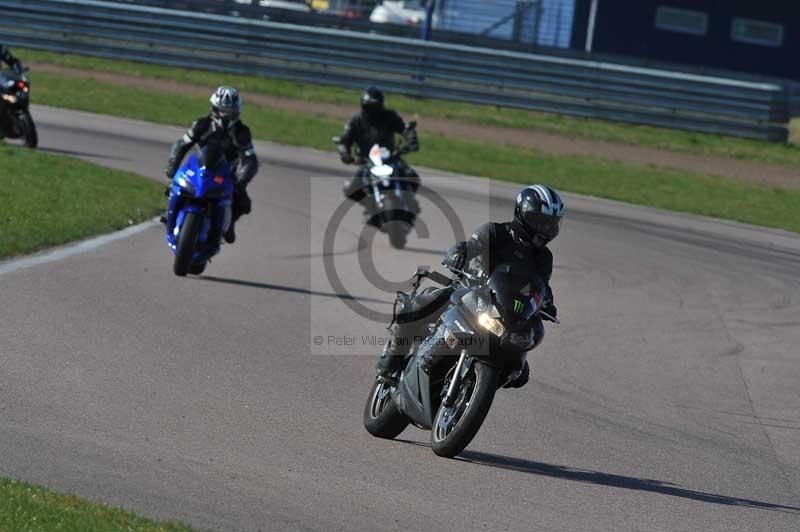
49 200
675 190
673 140
28 508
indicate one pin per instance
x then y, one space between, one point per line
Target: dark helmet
372 101
537 214
226 103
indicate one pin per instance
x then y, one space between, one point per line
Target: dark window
757 32
681 20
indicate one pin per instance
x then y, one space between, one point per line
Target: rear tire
476 407
187 239
382 418
28 129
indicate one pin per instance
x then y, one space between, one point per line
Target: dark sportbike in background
15 117
486 326
390 205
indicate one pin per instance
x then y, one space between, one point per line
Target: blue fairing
204 192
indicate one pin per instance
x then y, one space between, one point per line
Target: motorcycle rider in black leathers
537 219
222 126
8 58
375 124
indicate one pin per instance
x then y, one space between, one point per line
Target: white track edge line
73 249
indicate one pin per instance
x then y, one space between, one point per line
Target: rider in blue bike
222 126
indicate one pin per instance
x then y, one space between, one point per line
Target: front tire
454 428
28 130
382 418
197 268
187 240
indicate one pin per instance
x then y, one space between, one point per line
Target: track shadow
607 479
282 288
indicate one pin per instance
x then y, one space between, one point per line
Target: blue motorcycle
198 211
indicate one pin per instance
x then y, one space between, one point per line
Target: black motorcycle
390 205
15 117
488 323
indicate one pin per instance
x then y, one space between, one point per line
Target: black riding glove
456 257
548 307
344 154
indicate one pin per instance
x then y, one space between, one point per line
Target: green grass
49 200
667 139
675 190
28 508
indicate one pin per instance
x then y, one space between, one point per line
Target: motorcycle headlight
493 325
186 185
10 98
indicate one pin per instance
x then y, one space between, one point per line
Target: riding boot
230 234
393 356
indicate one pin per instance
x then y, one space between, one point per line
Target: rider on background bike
8 58
375 124
538 212
222 126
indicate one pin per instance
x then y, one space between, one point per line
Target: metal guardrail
408 66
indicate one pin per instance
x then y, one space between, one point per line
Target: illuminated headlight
10 98
493 325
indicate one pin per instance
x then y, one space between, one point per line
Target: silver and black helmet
538 212
226 102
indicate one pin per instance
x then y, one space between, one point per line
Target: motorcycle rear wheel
467 414
382 418
187 240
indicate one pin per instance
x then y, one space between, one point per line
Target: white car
399 12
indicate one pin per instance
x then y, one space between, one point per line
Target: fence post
430 6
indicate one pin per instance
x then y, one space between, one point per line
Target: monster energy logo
518 305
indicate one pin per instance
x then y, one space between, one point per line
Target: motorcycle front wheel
28 129
454 427
382 418
187 240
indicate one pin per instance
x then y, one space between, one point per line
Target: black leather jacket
494 243
234 138
7 57
365 131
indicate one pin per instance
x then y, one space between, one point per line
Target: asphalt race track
667 400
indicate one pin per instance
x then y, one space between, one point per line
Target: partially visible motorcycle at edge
16 121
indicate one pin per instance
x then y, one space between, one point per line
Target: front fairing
199 182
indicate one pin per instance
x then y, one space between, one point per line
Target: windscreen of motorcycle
517 292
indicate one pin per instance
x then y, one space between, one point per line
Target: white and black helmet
538 212
226 102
